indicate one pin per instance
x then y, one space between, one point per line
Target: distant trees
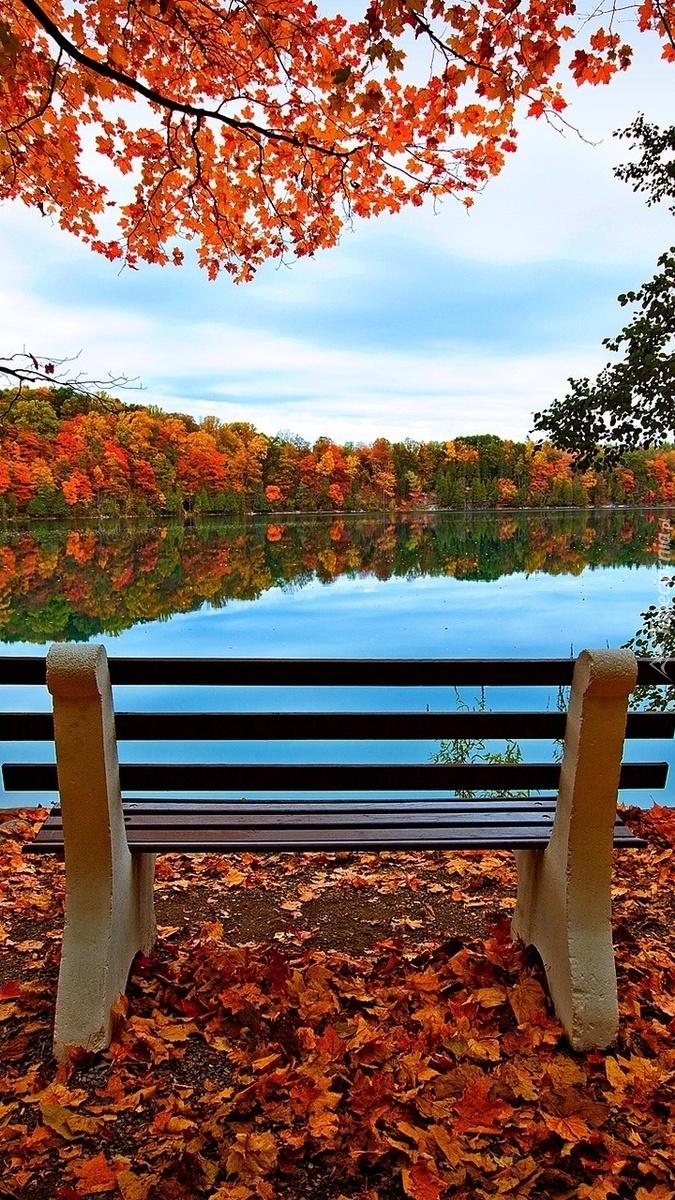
62 455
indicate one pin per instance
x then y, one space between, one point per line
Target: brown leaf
135 1187
253 1154
570 1129
600 1190
490 997
528 1001
452 1148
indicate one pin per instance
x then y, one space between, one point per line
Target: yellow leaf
259 1064
134 1187
179 1124
490 997
233 877
69 1124
178 1033
615 1075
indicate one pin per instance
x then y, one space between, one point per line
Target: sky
423 325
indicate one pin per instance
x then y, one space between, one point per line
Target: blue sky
422 325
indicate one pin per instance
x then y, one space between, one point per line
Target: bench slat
276 726
329 777
314 820
366 804
458 821
330 838
331 672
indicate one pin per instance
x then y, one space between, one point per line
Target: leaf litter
338 1027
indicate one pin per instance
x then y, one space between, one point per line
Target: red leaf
421 1184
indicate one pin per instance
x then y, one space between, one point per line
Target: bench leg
564 891
109 905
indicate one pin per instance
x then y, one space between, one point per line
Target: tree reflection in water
63 583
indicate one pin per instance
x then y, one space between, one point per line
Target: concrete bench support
564 891
109 906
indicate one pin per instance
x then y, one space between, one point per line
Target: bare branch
24 370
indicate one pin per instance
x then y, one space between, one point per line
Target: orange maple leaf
477 1113
421 1184
570 1129
93 1175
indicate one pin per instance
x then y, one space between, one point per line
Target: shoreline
26 520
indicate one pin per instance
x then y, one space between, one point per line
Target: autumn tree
259 129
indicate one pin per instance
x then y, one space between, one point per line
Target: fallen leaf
93 1175
421 1184
69 1124
135 1187
570 1129
528 1001
477 1113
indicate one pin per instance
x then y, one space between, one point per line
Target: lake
415 585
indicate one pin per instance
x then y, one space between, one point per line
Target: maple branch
448 52
250 129
665 21
45 105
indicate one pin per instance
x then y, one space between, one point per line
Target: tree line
63 454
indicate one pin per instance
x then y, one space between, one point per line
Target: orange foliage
260 129
127 461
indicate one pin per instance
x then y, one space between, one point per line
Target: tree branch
23 369
250 129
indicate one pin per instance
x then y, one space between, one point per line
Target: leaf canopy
258 129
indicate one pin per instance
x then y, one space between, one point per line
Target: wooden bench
563 841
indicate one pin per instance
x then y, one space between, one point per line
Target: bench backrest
200 777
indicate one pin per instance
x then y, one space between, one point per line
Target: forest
64 454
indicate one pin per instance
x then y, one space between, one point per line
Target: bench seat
113 818
426 824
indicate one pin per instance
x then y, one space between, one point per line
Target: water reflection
60 583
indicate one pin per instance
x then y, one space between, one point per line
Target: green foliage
474 750
654 172
632 401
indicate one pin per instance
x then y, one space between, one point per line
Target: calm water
442 585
